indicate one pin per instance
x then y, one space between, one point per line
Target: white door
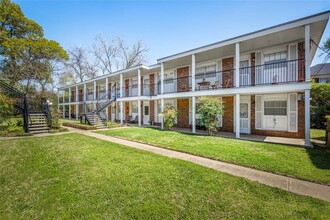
146 113
245 117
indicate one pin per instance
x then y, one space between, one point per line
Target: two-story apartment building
262 78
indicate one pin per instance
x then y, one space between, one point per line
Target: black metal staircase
95 117
36 121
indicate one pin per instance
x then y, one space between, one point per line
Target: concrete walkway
290 184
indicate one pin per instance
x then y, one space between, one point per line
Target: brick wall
227 73
183 116
228 114
301 62
152 110
253 63
183 79
301 123
152 82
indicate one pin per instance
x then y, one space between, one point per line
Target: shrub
6 108
55 119
111 124
79 126
209 109
320 104
169 114
19 123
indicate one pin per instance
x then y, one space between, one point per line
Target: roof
320 69
265 31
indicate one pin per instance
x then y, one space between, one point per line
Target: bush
55 119
6 108
320 104
111 124
209 109
79 126
328 122
169 114
19 123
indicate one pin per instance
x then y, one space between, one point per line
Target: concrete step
39 131
38 128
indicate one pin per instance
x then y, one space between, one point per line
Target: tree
131 56
25 54
6 108
320 104
78 67
169 114
209 109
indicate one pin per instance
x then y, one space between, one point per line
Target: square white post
139 113
77 112
139 82
94 95
162 78
237 65
121 85
193 69
85 97
121 113
70 111
237 115
307 118
193 116
162 109
69 95
63 109
77 94
106 87
307 53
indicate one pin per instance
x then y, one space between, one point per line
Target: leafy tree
25 55
169 114
6 108
209 109
320 104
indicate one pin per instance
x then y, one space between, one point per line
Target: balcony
180 84
215 80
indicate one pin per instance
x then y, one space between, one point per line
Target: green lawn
75 176
308 164
318 134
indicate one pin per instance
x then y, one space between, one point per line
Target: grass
78 177
307 164
318 134
76 124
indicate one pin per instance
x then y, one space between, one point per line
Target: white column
193 115
106 86
162 78
121 85
139 82
162 109
84 97
77 94
307 118
77 112
70 111
63 109
121 112
69 94
139 113
237 116
236 65
94 95
193 68
307 53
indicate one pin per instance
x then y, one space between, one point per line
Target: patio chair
226 83
129 119
215 85
136 120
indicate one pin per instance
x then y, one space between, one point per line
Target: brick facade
183 116
152 110
228 114
253 69
301 61
227 73
183 79
301 123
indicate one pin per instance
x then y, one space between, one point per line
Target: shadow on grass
320 158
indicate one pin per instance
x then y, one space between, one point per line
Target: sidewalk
283 182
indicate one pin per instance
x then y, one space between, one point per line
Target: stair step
38 128
39 131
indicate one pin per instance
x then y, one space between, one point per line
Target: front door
245 124
244 117
146 113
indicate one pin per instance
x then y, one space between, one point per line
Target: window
275 60
205 71
275 107
134 107
168 77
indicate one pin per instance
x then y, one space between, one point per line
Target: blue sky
166 27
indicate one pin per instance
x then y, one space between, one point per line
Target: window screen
275 107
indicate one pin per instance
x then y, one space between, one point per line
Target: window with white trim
275 107
205 71
272 58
